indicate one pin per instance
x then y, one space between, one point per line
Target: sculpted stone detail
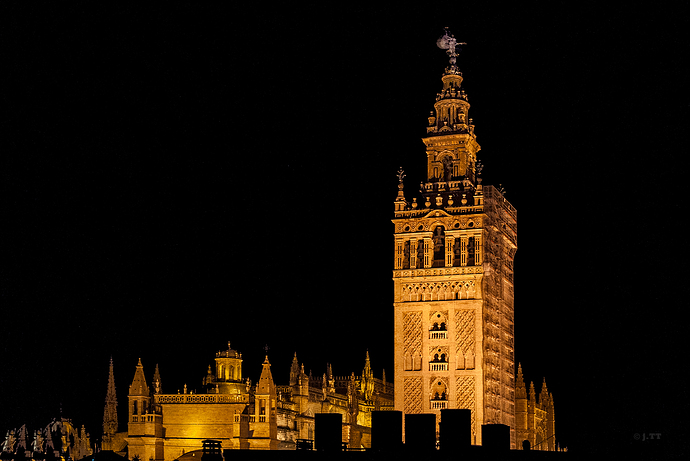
439 291
200 398
464 338
448 222
438 353
437 271
465 392
413 395
412 331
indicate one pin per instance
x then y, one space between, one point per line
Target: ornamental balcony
438 366
439 404
438 334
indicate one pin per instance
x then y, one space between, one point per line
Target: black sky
176 178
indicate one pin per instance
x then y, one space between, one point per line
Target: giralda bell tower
453 276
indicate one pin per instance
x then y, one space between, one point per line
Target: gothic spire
520 391
367 367
367 383
294 371
139 386
543 393
532 393
110 411
157 386
266 384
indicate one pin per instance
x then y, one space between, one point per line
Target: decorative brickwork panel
439 291
412 390
465 392
464 331
412 331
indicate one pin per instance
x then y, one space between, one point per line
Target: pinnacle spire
544 392
367 384
157 380
294 371
520 391
139 386
266 384
110 423
367 366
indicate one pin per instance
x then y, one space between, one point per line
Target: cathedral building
453 280
453 329
242 415
534 419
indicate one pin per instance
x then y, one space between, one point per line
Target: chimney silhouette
496 436
420 432
386 431
328 432
455 429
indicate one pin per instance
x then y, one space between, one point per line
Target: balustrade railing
439 404
201 398
438 334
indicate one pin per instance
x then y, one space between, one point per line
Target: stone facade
453 277
534 419
264 416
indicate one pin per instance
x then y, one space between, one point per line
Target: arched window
420 254
460 361
438 321
407 361
417 361
439 240
470 252
457 249
439 391
437 328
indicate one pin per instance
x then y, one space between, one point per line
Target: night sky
176 178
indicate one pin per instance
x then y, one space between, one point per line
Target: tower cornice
451 140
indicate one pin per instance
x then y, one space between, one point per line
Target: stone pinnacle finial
110 423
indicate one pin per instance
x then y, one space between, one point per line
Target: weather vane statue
401 175
447 42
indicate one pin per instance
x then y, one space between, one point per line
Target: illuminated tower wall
453 278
